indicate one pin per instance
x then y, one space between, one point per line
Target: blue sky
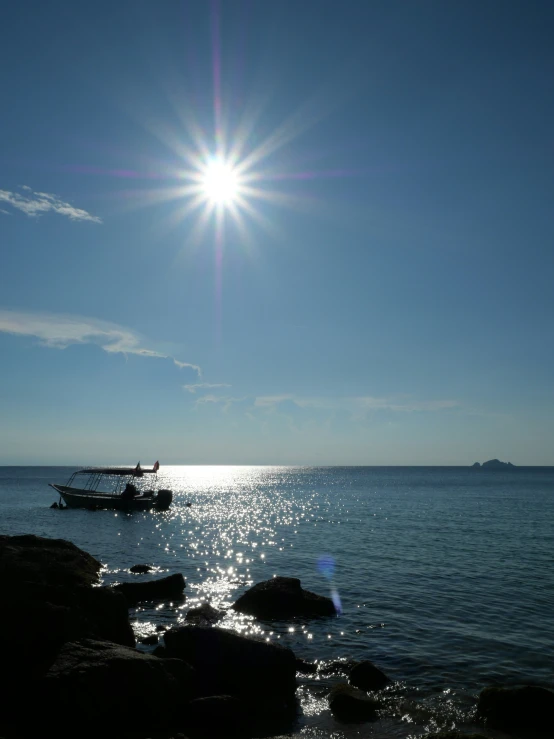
372 282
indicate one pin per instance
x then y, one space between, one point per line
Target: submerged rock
140 569
229 664
283 597
366 676
337 666
150 640
36 559
100 685
351 704
505 708
452 735
308 668
204 615
164 587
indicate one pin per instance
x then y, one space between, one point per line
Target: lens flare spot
326 566
336 601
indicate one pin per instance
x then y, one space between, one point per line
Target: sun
220 183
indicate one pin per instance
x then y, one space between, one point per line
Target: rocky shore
73 668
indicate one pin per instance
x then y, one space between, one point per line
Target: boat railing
92 481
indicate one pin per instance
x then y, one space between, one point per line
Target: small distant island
493 464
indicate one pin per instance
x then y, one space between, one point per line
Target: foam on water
445 575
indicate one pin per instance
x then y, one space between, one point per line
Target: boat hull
75 498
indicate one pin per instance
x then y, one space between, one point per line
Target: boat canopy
115 471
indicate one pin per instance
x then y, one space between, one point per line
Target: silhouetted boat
113 488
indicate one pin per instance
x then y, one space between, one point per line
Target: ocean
445 575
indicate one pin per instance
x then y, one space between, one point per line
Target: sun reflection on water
236 531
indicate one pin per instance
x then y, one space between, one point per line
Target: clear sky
276 232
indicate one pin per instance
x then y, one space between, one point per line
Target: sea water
445 575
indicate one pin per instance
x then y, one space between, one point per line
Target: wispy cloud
5 212
224 401
60 331
396 404
204 386
356 405
270 401
37 203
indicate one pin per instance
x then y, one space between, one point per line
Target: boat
114 488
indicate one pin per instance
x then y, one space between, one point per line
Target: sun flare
220 183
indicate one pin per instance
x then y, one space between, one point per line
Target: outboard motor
163 500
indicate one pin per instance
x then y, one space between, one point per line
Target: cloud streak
60 331
357 406
35 204
204 386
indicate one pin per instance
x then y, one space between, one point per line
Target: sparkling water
444 576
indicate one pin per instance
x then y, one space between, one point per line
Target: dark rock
506 708
40 618
307 668
283 597
351 704
164 587
368 677
101 684
140 569
107 615
31 558
226 663
452 735
160 652
204 615
150 640
223 716
476 465
216 716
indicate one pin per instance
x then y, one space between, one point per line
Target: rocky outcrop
530 706
366 676
350 704
48 601
159 589
226 663
283 597
70 651
101 684
40 618
57 562
204 615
